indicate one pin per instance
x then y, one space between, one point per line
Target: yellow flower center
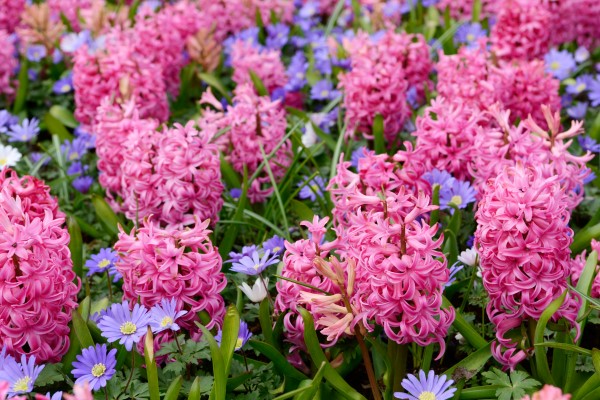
456 200
22 385
427 396
128 328
3 161
239 343
470 37
74 156
256 267
324 93
554 65
580 88
276 249
103 264
166 321
98 370
66 88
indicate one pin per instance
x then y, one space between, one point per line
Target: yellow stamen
98 370
427 396
22 385
128 328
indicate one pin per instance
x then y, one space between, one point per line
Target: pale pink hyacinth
266 64
446 135
298 261
522 30
523 242
548 392
382 72
8 65
120 72
36 271
182 264
162 37
10 14
114 123
254 122
172 174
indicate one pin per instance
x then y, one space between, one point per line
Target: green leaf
258 84
74 350
337 11
75 246
514 387
81 330
64 115
541 360
306 118
586 279
583 238
465 328
276 192
302 210
219 389
237 381
231 327
450 246
174 388
196 391
318 357
23 88
479 392
565 346
266 323
280 363
378 133
471 365
476 11
151 368
231 178
214 82
232 233
50 374
106 215
56 128
435 200
596 360
315 384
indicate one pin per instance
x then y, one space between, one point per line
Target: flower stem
368 364
132 367
178 345
109 286
398 354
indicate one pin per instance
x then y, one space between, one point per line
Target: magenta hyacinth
255 122
36 271
523 242
266 64
120 71
382 72
10 14
174 175
8 63
159 264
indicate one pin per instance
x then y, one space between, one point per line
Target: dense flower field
299 199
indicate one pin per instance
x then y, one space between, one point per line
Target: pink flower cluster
236 15
256 125
394 269
70 9
382 73
10 14
162 37
36 271
169 263
463 9
575 20
530 144
523 243
577 266
120 72
548 392
522 30
174 174
266 64
8 64
472 79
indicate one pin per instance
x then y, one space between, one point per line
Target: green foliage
513 386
